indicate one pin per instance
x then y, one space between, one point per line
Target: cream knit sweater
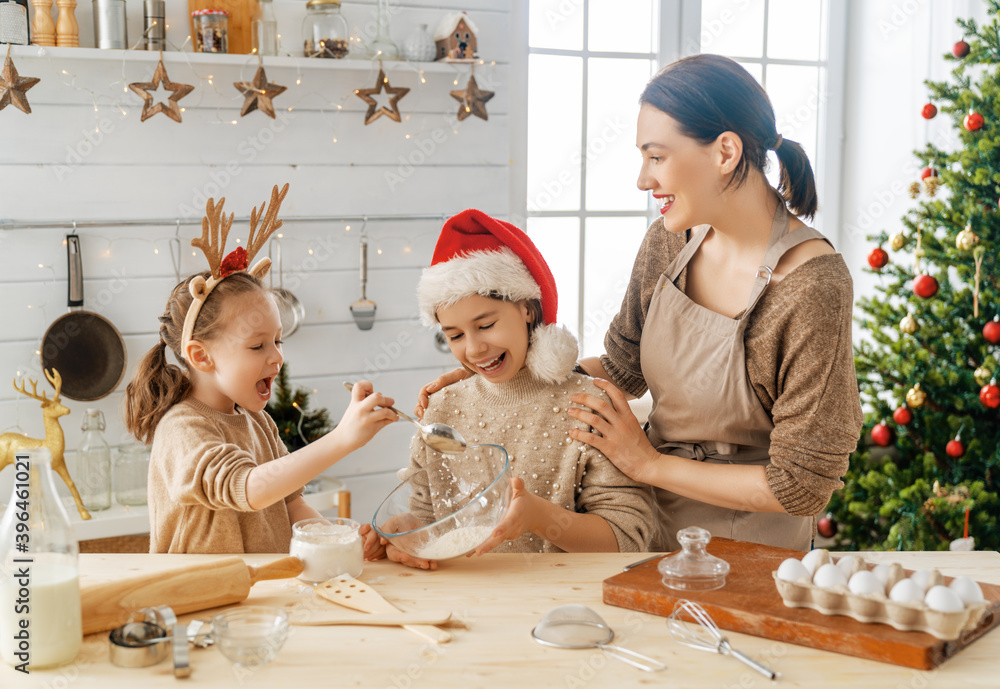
528 419
197 483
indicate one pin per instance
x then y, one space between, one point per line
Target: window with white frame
589 61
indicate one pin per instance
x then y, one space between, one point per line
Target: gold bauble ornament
931 184
915 397
909 324
897 241
914 189
966 239
983 375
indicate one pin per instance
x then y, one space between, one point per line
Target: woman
737 319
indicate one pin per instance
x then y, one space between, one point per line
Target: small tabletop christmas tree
287 407
928 359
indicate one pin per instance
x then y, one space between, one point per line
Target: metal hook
364 226
177 231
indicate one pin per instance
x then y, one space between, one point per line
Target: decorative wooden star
258 93
170 107
395 93
472 101
13 86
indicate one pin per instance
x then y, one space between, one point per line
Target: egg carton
872 608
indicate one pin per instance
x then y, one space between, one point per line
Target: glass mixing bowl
448 507
250 635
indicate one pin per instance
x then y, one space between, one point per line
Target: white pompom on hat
478 254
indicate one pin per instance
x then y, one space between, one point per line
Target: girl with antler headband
220 479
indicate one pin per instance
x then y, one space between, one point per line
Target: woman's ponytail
797 184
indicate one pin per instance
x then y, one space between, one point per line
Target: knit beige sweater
799 360
528 419
197 483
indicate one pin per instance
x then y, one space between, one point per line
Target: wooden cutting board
750 603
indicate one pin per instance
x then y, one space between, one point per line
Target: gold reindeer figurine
54 440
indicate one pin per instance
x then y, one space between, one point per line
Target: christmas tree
927 361
287 407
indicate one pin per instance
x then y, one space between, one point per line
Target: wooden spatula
397 619
358 595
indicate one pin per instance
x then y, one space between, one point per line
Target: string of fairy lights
206 78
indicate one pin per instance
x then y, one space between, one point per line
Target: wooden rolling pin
186 589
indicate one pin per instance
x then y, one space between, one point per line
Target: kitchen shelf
121 520
213 59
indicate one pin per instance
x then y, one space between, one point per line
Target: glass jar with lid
93 463
131 474
211 31
324 30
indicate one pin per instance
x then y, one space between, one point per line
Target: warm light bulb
280 235
347 229
379 250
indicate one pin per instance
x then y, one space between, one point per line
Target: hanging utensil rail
153 222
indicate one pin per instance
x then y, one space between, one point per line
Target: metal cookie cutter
150 634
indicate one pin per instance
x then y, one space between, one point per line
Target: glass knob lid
693 568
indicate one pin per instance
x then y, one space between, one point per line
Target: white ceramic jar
328 548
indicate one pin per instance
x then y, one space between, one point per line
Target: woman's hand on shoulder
619 436
442 381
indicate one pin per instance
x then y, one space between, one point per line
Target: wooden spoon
358 595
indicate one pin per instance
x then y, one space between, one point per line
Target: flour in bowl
454 543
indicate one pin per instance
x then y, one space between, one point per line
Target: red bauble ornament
881 434
902 415
989 395
827 526
955 448
878 258
991 331
925 286
929 111
928 172
960 49
973 121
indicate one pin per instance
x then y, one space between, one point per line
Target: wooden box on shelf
240 21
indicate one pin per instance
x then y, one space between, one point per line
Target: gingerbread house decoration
456 37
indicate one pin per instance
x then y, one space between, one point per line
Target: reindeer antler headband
214 232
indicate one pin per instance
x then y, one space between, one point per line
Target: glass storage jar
211 31
93 463
327 548
324 30
131 473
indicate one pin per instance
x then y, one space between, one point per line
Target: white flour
454 543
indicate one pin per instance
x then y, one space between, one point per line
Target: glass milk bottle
93 463
40 621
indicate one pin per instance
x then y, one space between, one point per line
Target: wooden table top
499 599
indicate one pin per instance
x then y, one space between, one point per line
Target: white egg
883 572
792 570
943 599
829 576
866 583
846 564
922 577
811 559
906 591
967 589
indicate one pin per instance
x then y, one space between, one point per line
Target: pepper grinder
44 32
67 30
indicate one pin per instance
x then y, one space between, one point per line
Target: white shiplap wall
83 154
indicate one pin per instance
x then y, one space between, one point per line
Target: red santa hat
477 254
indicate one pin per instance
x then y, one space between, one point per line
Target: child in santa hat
494 298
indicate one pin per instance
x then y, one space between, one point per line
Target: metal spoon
438 436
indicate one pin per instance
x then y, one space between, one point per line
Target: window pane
555 122
612 108
611 246
794 93
559 241
555 24
733 27
793 29
621 27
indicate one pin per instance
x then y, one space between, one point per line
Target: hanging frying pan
83 346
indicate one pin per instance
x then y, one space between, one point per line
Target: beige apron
704 406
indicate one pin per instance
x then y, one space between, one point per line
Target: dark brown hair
158 385
710 94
